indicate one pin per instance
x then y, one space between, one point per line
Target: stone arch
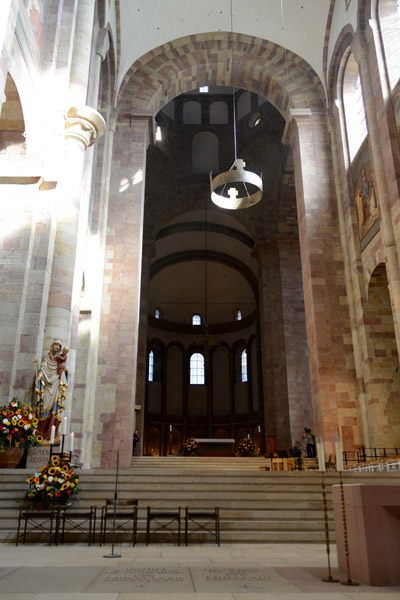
383 361
261 67
208 255
339 58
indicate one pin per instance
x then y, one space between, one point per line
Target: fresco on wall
396 107
29 29
365 196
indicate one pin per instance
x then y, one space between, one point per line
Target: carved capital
85 124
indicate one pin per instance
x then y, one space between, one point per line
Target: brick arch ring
285 79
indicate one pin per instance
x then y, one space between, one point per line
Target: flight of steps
255 505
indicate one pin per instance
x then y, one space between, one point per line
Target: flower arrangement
189 447
57 482
246 447
18 426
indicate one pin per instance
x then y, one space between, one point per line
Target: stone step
255 505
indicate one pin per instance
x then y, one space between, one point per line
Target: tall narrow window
151 366
196 320
243 365
158 313
197 374
353 102
238 314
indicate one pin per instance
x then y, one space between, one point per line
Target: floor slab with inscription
143 579
240 579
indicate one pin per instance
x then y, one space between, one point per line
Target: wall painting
396 107
365 195
30 28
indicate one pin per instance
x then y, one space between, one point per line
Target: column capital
85 124
146 116
296 115
103 43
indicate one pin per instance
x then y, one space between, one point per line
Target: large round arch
183 64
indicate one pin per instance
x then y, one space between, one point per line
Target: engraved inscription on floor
143 579
239 580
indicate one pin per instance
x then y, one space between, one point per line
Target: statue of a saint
50 387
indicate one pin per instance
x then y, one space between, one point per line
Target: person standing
136 440
309 439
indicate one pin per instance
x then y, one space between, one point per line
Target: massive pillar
118 346
286 377
332 370
148 253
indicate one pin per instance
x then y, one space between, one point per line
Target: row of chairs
59 522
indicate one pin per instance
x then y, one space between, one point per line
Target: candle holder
61 453
348 581
328 579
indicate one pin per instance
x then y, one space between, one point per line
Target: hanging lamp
236 188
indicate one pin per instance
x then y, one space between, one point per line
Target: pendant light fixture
236 188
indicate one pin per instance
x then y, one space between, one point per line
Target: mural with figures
396 107
30 27
365 196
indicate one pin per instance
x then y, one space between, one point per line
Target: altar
216 446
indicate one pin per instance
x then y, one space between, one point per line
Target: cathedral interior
183 318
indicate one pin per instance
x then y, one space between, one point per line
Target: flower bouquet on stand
246 447
54 484
18 430
190 447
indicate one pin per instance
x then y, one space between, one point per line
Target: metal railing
363 455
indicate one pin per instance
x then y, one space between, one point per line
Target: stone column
361 53
351 280
272 343
148 253
118 347
83 126
286 376
332 370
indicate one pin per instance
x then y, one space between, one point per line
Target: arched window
243 365
191 113
197 372
238 315
219 113
158 313
196 319
353 104
155 364
151 366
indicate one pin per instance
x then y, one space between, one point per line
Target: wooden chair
39 521
163 519
80 520
202 520
126 514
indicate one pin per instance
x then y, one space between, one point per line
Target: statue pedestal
38 456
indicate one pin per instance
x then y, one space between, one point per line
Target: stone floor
167 572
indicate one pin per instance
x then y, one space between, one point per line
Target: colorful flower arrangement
246 447
189 447
55 483
18 426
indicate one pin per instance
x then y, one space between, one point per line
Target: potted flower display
18 430
54 484
246 447
190 447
